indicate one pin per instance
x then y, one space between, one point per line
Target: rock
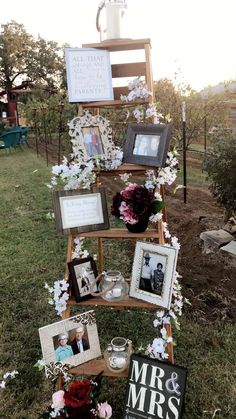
230 226
230 248
216 238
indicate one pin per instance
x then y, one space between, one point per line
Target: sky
195 39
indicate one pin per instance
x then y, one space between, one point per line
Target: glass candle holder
114 283
117 354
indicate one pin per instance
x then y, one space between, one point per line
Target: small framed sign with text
79 211
155 389
88 72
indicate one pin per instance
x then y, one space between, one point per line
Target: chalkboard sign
155 389
88 72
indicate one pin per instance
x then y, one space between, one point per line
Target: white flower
175 243
138 114
158 345
2 384
160 313
156 217
125 177
163 332
167 234
64 285
157 322
85 253
166 320
149 184
158 196
56 170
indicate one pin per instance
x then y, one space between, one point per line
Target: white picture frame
89 77
80 126
50 340
153 282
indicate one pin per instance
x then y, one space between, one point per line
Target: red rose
77 394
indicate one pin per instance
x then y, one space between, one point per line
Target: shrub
220 165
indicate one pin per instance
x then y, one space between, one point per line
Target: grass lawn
32 253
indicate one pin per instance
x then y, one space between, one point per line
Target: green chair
10 139
23 134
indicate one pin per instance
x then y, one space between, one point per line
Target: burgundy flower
77 394
84 412
116 202
133 203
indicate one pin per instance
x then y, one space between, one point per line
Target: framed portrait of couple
91 137
153 273
73 341
147 144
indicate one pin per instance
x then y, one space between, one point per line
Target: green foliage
25 61
202 112
157 206
220 165
50 116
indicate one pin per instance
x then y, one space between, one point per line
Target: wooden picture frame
91 137
59 343
89 77
83 273
147 144
155 389
79 211
153 273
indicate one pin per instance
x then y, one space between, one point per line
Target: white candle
116 292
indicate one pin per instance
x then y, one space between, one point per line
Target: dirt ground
209 280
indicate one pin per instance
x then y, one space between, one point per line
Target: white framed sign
88 73
80 211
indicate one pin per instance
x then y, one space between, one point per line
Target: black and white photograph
147 144
153 273
92 141
72 341
83 273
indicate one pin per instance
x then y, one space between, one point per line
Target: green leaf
157 206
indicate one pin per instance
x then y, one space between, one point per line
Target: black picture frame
147 144
160 387
71 212
79 290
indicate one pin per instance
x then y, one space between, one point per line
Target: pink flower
126 214
58 400
104 410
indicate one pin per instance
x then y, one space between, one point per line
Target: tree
203 111
220 165
27 62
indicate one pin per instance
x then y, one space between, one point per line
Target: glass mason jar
114 283
117 354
